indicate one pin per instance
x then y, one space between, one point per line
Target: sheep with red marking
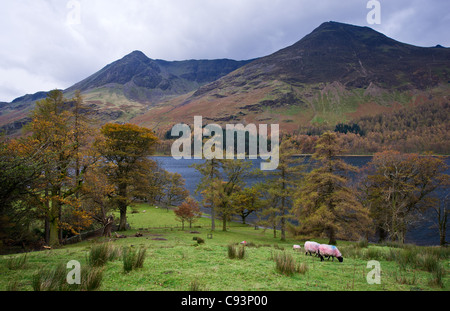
296 247
329 251
311 248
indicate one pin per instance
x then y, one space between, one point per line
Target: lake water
422 234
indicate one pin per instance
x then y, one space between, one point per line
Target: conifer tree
325 203
280 186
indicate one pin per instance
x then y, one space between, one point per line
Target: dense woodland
422 128
417 129
67 175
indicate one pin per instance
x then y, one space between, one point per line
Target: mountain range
335 74
127 87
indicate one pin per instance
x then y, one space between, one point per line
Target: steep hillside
334 74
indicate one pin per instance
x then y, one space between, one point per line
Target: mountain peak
355 56
137 54
332 24
345 32
338 25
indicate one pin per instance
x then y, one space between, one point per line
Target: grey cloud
42 50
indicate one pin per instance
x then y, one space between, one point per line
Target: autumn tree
188 211
246 202
280 186
235 173
95 196
53 129
399 189
157 182
174 189
219 196
268 214
441 212
83 134
325 203
219 188
165 188
211 171
126 148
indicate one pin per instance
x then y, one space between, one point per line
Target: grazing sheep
296 247
329 251
311 247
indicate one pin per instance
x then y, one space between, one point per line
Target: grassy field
173 260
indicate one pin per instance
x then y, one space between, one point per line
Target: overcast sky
48 44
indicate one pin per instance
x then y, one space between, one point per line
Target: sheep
311 247
329 251
296 247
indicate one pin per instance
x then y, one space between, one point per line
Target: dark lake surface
421 234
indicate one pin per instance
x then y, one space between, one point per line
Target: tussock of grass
55 279
16 262
302 268
195 286
287 265
101 253
91 278
140 258
362 243
236 252
284 263
50 279
402 278
133 259
128 259
437 275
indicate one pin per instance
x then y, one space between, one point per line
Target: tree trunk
442 220
123 219
53 232
47 219
123 207
442 229
47 230
224 223
108 226
213 213
442 239
283 229
382 234
54 220
60 231
283 206
332 237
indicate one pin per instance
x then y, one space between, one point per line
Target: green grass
174 261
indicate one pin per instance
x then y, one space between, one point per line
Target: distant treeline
422 128
418 129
